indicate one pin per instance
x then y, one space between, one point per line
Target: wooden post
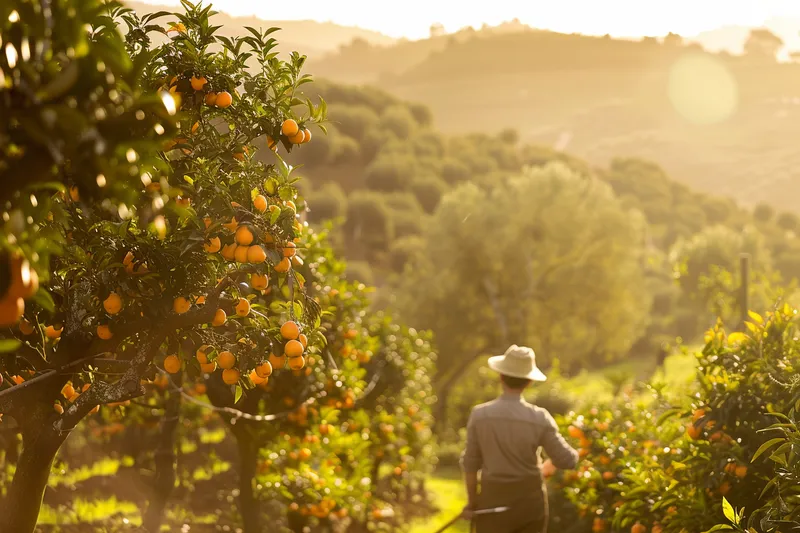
744 287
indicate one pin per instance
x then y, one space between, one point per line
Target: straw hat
517 362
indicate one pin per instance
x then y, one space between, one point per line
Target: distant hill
601 98
308 37
732 38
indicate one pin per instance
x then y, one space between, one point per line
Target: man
504 442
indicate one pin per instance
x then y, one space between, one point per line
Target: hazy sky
623 18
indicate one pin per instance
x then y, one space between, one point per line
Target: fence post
744 287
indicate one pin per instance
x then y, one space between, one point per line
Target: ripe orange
656 528
307 137
228 252
244 237
25 327
256 255
230 376
17 379
224 99
304 454
202 354
724 488
241 254
693 431
259 281
104 332
740 471
112 304
297 261
213 245
283 266
181 305
209 368
74 195
260 203
11 310
198 83
298 138
277 361
573 431
608 476
211 98
264 370
243 307
172 364
67 390
293 348
232 225
219 318
303 340
289 127
256 379
52 333
289 249
59 409
638 527
226 360
290 330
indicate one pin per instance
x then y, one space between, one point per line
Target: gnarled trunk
248 503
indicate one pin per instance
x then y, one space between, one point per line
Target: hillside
309 37
601 97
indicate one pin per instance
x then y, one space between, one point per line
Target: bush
399 120
763 212
454 171
359 271
422 114
369 220
353 120
374 140
429 191
389 173
428 144
327 203
403 249
346 150
406 224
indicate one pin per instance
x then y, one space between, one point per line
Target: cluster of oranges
22 282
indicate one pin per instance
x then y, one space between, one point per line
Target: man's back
504 437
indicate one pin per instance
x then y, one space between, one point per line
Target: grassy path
447 491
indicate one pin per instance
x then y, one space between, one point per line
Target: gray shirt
505 438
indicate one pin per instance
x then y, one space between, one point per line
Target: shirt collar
511 397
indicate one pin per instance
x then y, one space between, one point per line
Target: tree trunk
248 504
443 394
24 498
164 482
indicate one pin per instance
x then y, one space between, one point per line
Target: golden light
702 89
169 102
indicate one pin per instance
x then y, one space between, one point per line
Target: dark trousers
527 500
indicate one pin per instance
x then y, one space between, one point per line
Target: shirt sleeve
558 450
471 459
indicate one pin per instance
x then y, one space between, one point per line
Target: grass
449 495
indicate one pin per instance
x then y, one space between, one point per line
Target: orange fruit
283 266
272 144
260 203
213 245
256 379
241 254
198 83
256 254
297 363
200 300
307 137
697 414
259 281
244 237
195 127
297 261
724 488
289 127
25 327
289 249
656 529
209 368
608 476
277 361
243 307
112 304
181 305
740 471
638 527
304 454
298 138
228 252
11 310
211 98
172 364
303 340
230 376
232 225
693 431
202 354
58 408
290 330
17 379
264 370
226 360
67 390
52 333
574 432
219 318
24 281
104 332
224 99
293 348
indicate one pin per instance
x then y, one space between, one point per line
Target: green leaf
758 319
727 510
719 527
44 300
766 446
238 394
9 345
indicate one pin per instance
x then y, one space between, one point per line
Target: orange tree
71 117
137 283
723 445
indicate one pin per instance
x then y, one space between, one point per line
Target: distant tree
329 203
399 120
762 43
429 191
509 136
673 39
345 150
795 56
391 172
369 220
763 212
402 250
436 30
454 171
422 114
353 120
788 221
549 259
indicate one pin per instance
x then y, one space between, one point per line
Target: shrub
346 150
399 120
454 171
369 220
327 203
429 191
422 114
353 120
401 250
389 173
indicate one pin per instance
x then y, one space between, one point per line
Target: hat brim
496 364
